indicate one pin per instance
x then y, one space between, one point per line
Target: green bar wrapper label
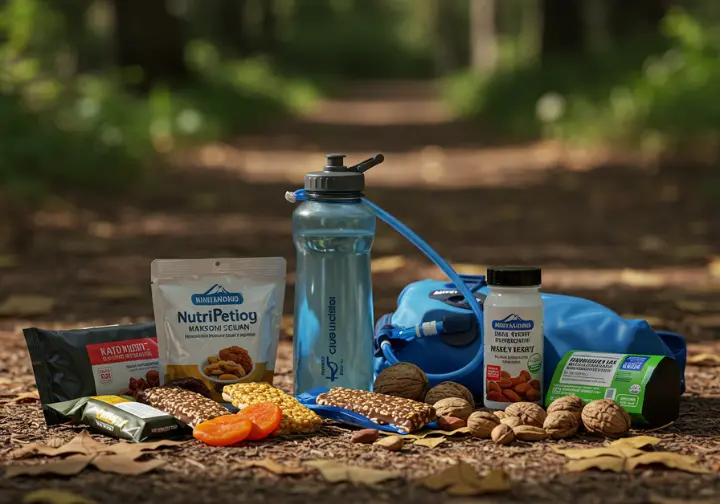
647 386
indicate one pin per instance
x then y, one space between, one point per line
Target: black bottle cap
338 178
514 276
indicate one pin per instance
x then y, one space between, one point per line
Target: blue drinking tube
412 237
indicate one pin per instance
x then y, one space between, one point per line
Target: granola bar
405 414
188 407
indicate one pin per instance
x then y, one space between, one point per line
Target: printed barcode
610 393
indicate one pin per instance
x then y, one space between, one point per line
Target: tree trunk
483 39
442 20
636 17
562 28
232 26
268 27
151 38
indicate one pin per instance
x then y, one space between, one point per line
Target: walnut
482 423
571 404
528 413
502 434
449 389
500 414
560 425
402 380
511 421
529 433
607 418
454 407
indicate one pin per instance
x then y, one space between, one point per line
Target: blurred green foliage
622 95
68 129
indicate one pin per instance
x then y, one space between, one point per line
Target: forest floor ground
640 237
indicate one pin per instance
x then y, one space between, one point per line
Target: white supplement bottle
513 332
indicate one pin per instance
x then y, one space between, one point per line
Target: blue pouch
345 416
571 323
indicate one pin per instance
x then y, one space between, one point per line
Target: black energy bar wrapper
108 360
120 417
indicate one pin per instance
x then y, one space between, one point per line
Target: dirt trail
642 240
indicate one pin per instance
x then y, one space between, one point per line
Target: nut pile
522 420
231 363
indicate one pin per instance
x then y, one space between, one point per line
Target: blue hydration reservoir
333 231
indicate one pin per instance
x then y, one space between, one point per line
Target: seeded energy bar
188 407
405 414
296 418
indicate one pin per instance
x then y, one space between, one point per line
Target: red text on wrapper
117 365
493 372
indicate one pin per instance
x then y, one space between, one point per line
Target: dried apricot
265 418
224 430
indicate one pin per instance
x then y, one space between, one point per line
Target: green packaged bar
121 417
647 386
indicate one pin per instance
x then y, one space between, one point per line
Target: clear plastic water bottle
333 231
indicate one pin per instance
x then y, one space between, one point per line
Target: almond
366 436
449 423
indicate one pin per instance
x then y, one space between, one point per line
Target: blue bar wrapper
342 415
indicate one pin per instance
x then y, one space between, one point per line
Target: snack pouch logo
124 367
217 295
513 322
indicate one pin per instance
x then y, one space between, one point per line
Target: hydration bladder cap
338 178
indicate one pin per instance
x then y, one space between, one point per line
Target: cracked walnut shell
482 423
402 380
449 389
453 407
571 404
502 434
528 413
607 418
560 425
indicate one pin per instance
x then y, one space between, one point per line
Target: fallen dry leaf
636 441
55 442
275 468
461 479
670 460
604 463
26 306
83 444
139 449
20 397
66 467
336 472
605 451
704 359
125 465
430 442
55 496
387 264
